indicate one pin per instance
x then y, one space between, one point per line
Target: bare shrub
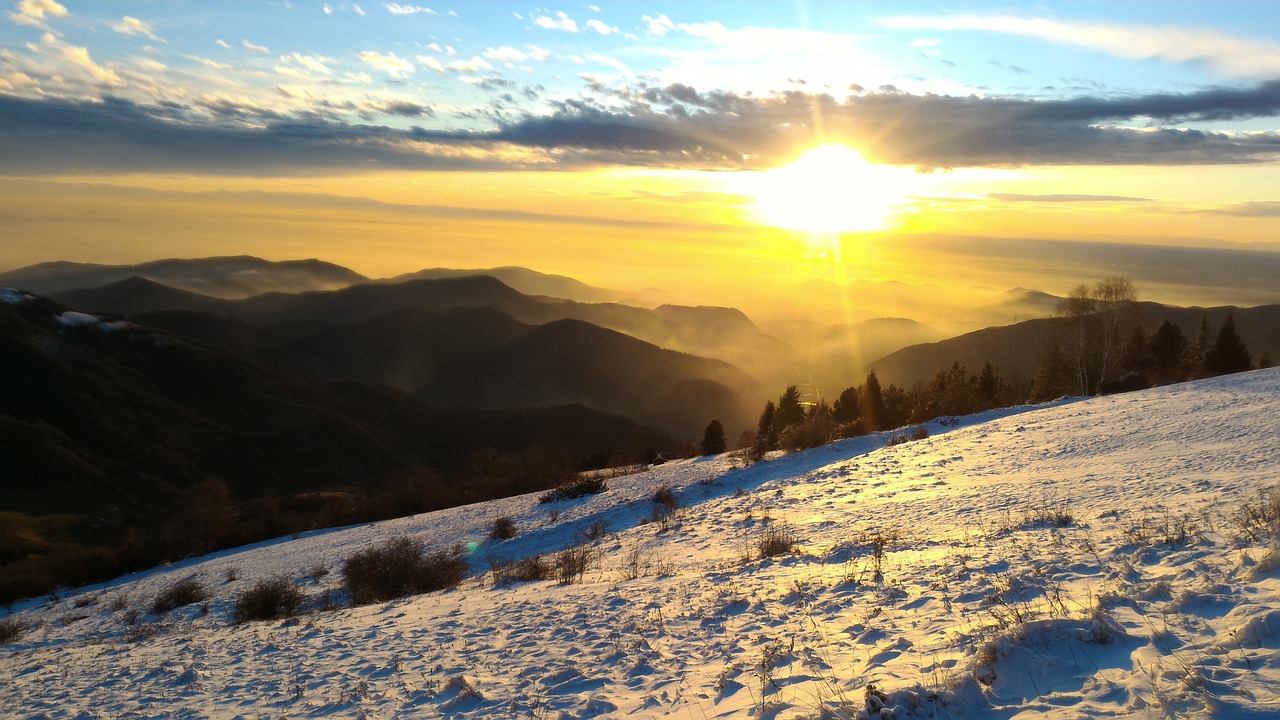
919 432
187 591
640 561
581 487
503 528
527 570
10 630
898 439
398 567
779 539
573 562
1260 518
664 496
269 599
594 531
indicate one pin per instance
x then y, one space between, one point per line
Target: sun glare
830 189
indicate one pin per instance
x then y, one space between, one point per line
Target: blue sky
307 87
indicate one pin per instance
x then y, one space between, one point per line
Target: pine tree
845 409
790 411
1228 353
1199 351
872 403
713 442
766 435
1167 347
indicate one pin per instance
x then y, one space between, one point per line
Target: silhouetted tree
845 409
790 411
1265 360
766 435
713 442
1166 351
987 385
1228 353
1198 353
872 403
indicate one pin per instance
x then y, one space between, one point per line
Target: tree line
1096 343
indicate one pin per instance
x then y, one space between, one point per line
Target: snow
1079 559
10 296
71 318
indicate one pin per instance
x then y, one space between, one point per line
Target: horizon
667 147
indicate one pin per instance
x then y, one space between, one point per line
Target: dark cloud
674 126
402 108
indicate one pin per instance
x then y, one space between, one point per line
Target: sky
707 149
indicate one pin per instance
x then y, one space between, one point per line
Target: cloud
310 62
1256 209
48 137
473 65
1229 55
674 126
263 49
560 22
398 9
34 12
600 27
431 63
79 57
658 26
1062 198
133 26
403 108
506 54
390 64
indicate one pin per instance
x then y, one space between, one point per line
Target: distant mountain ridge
230 277
1016 348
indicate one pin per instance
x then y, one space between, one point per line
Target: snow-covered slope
1081 559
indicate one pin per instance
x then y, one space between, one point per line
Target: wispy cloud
310 62
398 9
34 12
561 21
389 63
261 49
1064 198
133 26
1229 55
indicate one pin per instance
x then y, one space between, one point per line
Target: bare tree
1093 326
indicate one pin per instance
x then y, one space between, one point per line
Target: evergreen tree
1265 360
1228 353
845 409
713 442
766 435
789 412
1198 353
872 403
1165 352
986 386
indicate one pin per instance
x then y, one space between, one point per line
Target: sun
830 189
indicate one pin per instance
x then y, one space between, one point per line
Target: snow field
1080 559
